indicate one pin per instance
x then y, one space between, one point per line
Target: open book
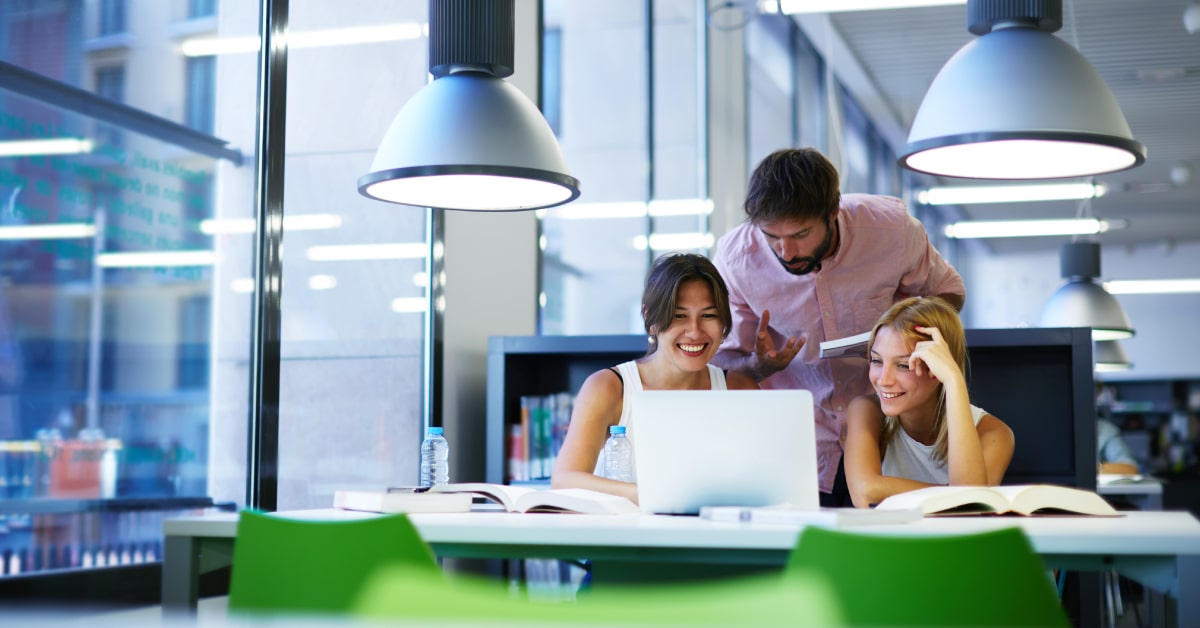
849 347
408 501
1015 499
525 499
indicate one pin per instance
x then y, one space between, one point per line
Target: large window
625 80
129 197
115 387
355 274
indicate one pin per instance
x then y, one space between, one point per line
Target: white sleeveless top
908 458
632 382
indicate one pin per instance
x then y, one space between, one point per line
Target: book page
955 500
504 494
1030 499
574 500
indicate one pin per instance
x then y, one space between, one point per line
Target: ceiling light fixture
1030 228
1019 103
1081 302
792 7
1109 356
470 140
978 194
1152 286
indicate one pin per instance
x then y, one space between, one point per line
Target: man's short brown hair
792 184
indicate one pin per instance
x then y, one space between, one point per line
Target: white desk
1159 549
1145 493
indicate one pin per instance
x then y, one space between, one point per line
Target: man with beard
810 265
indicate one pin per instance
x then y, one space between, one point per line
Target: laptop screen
749 448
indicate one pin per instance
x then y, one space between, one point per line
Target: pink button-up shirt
884 255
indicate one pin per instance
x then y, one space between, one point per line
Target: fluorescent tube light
209 46
63 231
355 252
242 285
52 146
674 241
632 209
299 222
970 195
792 7
156 258
1152 286
322 282
1029 228
409 305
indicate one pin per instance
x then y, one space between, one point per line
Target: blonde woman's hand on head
932 357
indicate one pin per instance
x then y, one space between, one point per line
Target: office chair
988 579
297 566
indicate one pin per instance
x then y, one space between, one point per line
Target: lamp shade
1082 302
469 140
1109 356
1019 103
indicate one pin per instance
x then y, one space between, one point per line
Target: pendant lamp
1109 356
470 140
1082 302
1018 102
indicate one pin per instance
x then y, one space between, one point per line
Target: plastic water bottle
435 458
618 455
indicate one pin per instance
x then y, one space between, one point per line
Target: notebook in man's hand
849 347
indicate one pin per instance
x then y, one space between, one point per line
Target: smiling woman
685 306
919 428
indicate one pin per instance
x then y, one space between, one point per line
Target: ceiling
1139 47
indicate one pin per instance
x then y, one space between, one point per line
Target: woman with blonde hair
919 428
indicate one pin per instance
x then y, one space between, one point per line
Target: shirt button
839 408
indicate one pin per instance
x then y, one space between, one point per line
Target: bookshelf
1039 381
541 365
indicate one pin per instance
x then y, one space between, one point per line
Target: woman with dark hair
685 306
919 428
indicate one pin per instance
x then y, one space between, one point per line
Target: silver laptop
696 448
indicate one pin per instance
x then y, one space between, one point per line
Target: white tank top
908 458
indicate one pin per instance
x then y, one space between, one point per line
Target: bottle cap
435 431
616 429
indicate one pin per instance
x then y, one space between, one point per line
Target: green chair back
297 566
988 579
757 600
